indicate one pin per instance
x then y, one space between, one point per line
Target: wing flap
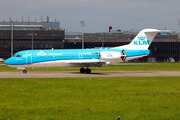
87 63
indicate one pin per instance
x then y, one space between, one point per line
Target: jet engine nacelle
112 55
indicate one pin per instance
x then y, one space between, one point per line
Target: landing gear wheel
82 70
24 71
88 70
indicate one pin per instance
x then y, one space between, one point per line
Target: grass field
111 68
92 98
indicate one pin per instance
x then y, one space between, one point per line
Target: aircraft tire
88 71
82 70
24 71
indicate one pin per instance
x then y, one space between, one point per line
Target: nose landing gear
24 71
82 70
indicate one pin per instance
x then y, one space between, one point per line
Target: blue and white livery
84 57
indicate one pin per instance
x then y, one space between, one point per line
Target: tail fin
142 40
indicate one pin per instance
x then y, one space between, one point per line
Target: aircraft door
28 58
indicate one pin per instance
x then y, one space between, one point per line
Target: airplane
85 58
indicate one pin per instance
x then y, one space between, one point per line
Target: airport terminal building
17 36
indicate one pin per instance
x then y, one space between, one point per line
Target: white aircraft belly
61 63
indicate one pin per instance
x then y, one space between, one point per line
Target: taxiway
77 74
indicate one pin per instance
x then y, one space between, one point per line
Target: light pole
82 24
179 49
32 38
11 38
102 38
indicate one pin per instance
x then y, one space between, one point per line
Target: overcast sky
97 14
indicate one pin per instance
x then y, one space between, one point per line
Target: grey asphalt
77 74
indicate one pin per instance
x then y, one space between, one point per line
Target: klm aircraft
84 58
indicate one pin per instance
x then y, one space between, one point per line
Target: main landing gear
82 70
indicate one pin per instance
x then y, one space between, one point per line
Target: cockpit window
17 56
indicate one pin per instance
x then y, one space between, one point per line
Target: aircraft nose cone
7 62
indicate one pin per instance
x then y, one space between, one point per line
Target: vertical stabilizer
142 40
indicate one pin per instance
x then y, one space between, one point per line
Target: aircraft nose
7 62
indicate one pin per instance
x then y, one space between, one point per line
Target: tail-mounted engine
112 55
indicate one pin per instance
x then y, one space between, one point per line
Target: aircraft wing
87 63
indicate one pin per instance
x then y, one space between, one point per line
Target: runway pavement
77 74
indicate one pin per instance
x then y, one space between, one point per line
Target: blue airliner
85 58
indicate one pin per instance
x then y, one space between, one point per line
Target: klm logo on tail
141 41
